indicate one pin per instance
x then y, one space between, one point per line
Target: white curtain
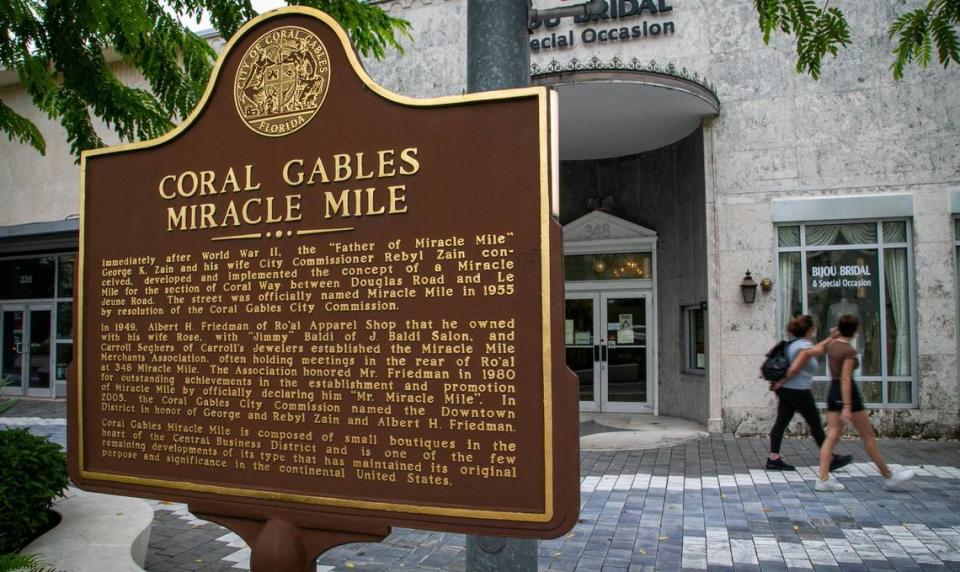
895 270
821 235
789 268
789 236
894 231
859 233
826 234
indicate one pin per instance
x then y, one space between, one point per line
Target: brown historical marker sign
322 304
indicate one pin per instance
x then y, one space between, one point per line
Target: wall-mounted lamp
748 288
766 285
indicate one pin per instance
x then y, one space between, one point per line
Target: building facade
691 153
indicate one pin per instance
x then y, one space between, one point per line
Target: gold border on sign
546 126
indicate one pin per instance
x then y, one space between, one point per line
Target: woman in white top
794 396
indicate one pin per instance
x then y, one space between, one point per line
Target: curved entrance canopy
606 114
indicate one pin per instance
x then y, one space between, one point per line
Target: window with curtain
863 269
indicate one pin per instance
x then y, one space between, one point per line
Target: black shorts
835 397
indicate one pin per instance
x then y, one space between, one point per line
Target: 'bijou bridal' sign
318 309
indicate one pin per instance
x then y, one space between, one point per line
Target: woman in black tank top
845 405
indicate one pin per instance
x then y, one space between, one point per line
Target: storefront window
956 267
956 243
23 278
38 288
615 266
863 269
64 320
64 357
696 347
65 276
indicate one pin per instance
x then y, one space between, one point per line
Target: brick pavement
40 408
705 505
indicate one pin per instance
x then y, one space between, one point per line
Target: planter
97 533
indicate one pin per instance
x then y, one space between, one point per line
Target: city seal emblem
282 81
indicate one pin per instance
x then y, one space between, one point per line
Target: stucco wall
779 135
434 61
46 188
855 131
35 188
662 190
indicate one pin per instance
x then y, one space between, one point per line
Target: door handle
596 353
603 352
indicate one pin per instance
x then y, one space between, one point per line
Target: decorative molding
618 64
599 232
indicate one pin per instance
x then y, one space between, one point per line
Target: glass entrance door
627 356
609 348
583 346
11 335
25 338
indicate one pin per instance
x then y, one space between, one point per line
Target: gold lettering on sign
256 359
324 319
343 202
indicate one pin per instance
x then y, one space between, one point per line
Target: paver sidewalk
705 505
702 506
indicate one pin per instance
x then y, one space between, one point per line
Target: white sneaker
899 478
828 486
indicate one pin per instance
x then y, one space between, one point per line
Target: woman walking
845 405
794 396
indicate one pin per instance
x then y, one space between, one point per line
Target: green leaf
72 111
21 129
945 36
768 12
371 29
821 31
57 48
23 563
917 33
818 31
32 474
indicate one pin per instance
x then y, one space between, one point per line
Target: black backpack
775 367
